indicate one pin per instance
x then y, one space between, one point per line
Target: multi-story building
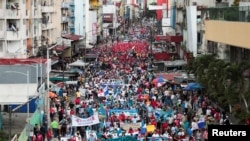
20 28
27 25
51 20
227 32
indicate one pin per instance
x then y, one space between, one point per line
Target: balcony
47 26
13 35
240 14
47 9
64 32
2 34
65 19
12 5
65 5
12 14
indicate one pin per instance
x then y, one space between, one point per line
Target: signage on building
107 18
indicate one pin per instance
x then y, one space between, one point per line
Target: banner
77 121
128 113
134 126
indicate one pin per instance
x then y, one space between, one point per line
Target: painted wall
57 22
79 17
192 29
231 33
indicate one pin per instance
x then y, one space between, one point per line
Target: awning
60 48
176 38
78 63
105 25
59 78
72 37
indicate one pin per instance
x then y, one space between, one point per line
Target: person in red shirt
130 131
153 122
153 103
152 117
77 101
52 113
122 117
140 97
139 90
248 121
72 112
164 125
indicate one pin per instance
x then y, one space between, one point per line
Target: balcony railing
47 9
241 14
12 5
65 19
47 26
12 14
13 35
2 34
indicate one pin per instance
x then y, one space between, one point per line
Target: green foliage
231 14
224 81
3 136
236 3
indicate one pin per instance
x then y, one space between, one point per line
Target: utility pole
10 122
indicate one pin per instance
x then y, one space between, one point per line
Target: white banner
77 121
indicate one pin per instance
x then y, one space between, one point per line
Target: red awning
6 61
60 48
72 37
176 38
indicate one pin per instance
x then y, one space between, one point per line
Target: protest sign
77 121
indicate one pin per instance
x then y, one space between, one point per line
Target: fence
240 14
36 118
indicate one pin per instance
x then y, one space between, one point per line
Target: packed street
119 96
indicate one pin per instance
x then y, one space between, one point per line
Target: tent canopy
79 63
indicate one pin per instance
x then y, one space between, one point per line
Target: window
1 46
35 30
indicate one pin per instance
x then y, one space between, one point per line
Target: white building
27 25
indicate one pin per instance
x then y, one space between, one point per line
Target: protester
116 96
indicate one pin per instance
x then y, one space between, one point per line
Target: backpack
39 137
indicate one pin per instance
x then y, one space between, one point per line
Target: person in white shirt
78 136
134 119
155 135
170 120
208 112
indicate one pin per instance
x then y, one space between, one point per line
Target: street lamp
28 81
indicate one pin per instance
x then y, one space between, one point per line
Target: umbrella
159 80
193 86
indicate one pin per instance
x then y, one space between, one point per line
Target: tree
225 82
236 3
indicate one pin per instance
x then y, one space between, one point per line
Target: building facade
27 25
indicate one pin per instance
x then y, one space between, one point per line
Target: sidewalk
18 122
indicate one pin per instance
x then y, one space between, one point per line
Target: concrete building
27 25
191 24
227 33
51 21
19 27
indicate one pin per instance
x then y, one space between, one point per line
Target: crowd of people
125 101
